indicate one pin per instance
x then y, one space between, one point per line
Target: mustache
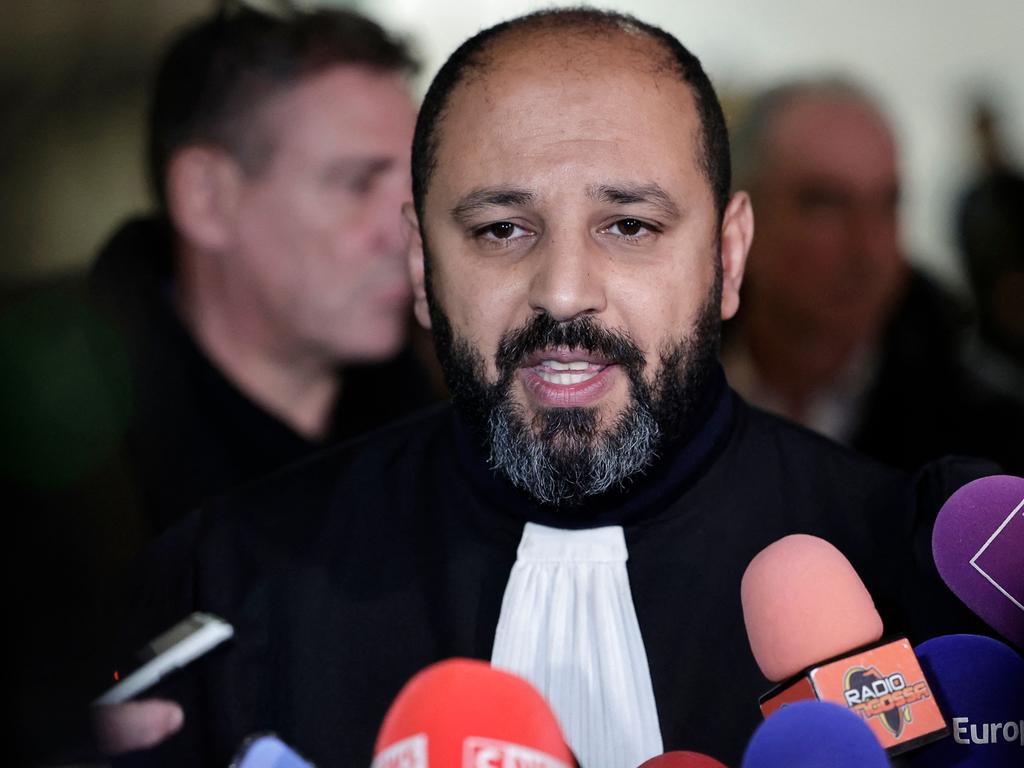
584 333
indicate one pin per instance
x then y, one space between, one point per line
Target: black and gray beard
562 456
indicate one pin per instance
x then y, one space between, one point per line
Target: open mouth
574 372
567 378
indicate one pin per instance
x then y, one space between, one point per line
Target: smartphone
183 643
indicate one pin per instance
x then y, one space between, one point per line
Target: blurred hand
135 724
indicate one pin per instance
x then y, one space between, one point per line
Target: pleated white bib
568 625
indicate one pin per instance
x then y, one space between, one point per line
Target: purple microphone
979 685
978 545
268 751
814 734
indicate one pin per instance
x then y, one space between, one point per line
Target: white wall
921 58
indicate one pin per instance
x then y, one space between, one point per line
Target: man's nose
873 232
568 280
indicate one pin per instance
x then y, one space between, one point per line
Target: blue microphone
268 752
979 685
814 734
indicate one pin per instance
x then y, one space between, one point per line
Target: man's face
319 249
826 253
571 241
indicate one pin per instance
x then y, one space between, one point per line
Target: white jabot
568 625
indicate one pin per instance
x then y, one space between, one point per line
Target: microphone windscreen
979 685
803 603
978 545
682 759
269 752
814 734
462 712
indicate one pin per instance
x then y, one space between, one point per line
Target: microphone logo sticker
998 560
491 753
407 753
890 697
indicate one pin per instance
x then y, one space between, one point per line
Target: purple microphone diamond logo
1000 559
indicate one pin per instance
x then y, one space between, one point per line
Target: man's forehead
829 131
546 88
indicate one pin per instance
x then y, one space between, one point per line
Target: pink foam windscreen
803 603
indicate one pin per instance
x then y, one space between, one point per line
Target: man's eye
362 184
500 232
629 228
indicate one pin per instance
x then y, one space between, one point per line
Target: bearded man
584 512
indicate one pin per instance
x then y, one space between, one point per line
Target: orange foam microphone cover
462 713
802 603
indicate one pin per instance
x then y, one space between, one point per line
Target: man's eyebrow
488 197
369 164
622 194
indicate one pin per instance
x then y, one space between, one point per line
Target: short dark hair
218 70
713 152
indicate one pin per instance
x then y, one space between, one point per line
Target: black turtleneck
192 432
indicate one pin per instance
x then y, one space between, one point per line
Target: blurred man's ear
737 234
203 185
417 268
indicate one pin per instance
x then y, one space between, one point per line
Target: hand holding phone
134 725
121 725
182 644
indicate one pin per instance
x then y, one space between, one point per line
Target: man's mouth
573 372
567 377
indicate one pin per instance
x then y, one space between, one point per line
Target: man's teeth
575 365
557 372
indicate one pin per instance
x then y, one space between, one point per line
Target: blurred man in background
260 304
838 330
259 314
990 233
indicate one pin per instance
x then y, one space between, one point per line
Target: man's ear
737 234
417 267
203 187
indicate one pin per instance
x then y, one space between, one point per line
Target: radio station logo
890 697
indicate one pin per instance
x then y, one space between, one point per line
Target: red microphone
462 713
682 760
813 626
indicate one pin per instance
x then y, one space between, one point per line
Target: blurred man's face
826 253
319 243
571 243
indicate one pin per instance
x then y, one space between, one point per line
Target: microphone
813 734
979 684
682 760
813 626
977 542
465 713
268 751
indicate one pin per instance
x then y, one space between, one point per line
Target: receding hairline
563 32
646 54
656 50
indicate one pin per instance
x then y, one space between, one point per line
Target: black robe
348 573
